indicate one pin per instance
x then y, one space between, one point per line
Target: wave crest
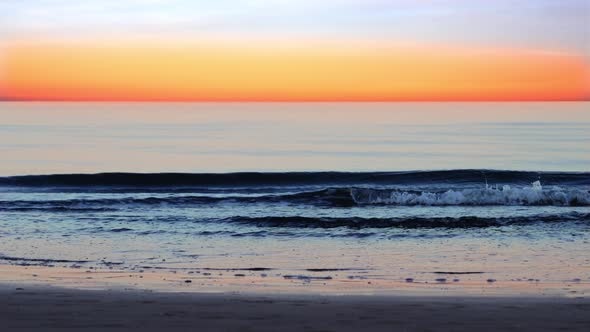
534 195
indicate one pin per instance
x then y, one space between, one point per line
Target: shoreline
254 282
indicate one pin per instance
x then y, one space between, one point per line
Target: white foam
533 195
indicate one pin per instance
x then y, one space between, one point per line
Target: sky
357 50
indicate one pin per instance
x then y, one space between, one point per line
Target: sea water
386 191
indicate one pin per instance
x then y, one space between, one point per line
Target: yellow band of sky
265 73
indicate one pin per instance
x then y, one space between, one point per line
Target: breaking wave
534 195
506 195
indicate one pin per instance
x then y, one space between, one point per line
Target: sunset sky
278 50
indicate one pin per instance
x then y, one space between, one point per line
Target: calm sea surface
41 138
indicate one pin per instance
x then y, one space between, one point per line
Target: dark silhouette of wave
252 179
405 222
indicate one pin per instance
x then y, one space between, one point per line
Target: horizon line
295 101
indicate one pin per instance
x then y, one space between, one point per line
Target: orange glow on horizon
214 73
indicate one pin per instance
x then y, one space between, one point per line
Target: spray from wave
506 195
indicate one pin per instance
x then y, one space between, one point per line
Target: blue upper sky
543 24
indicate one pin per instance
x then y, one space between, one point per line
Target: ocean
434 192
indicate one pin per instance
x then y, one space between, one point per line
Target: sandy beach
46 308
48 298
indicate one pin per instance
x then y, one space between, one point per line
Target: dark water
292 204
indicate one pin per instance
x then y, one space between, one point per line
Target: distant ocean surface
372 190
49 138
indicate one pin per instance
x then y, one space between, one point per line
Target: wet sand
56 298
277 282
45 308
